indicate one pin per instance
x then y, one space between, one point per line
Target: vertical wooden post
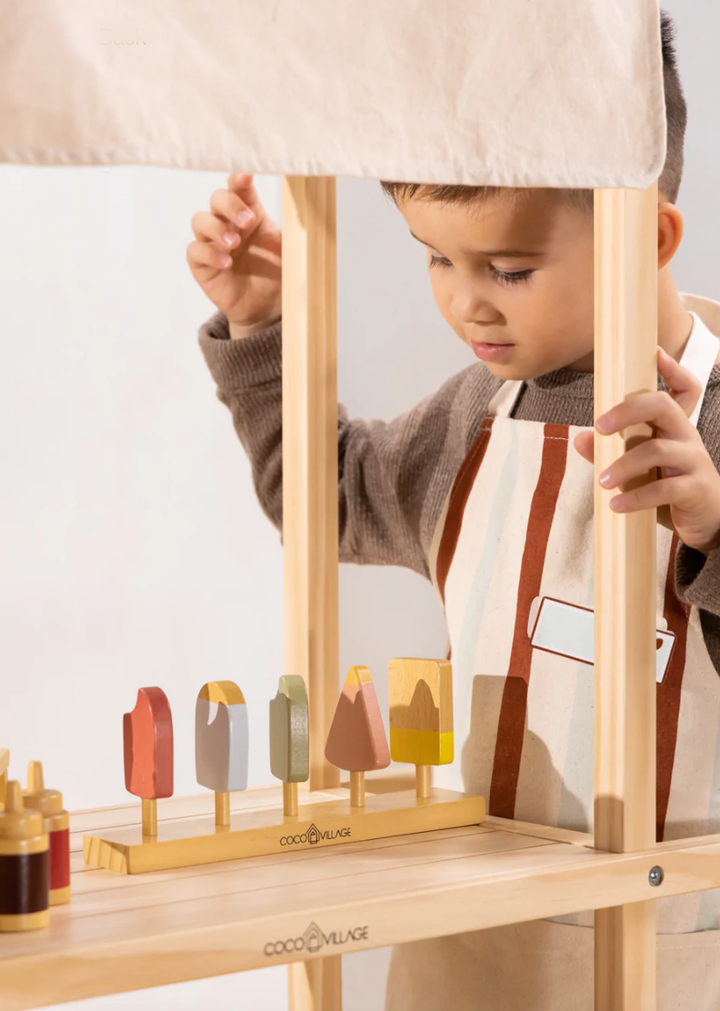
310 495
625 591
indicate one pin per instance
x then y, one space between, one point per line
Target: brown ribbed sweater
394 475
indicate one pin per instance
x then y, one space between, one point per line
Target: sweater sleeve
393 475
697 576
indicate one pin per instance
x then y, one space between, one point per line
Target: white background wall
132 549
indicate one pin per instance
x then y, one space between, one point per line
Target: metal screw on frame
656 876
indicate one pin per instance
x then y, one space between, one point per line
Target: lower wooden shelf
129 932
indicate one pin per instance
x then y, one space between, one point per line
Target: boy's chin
525 371
511 372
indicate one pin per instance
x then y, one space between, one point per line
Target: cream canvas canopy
564 93
517 93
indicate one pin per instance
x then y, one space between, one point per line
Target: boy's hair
668 182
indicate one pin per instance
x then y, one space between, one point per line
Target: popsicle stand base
261 832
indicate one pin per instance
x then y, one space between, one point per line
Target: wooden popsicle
421 715
148 741
357 740
290 738
221 743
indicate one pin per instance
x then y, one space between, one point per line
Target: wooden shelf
122 933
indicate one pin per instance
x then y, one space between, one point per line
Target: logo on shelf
314 939
313 835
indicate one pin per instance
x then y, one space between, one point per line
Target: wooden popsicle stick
626 316
422 781
357 789
222 809
149 816
290 799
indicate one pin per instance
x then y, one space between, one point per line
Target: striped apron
512 560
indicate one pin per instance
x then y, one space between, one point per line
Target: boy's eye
510 277
503 276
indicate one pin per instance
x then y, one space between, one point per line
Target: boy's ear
671 226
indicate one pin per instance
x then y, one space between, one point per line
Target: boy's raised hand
237 255
686 489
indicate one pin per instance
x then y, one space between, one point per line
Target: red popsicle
148 737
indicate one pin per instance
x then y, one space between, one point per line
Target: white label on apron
569 630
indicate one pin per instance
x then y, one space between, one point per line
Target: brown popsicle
357 740
148 739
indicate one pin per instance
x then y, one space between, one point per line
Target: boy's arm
393 476
697 576
697 581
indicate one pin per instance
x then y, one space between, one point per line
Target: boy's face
543 316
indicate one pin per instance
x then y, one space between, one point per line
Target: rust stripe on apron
513 710
669 692
458 500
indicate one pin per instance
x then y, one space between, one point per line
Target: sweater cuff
697 577
244 363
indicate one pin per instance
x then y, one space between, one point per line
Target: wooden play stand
307 907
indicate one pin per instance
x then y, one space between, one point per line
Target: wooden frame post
310 495
626 312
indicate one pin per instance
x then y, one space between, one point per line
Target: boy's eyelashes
503 276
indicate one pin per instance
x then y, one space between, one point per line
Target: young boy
486 487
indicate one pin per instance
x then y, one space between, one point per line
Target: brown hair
668 183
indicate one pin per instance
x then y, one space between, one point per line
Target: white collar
700 352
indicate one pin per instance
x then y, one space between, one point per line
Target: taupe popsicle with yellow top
221 743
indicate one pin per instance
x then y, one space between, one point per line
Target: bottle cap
18 822
49 802
4 762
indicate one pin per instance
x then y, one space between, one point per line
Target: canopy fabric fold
562 93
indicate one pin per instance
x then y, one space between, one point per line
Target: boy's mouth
491 352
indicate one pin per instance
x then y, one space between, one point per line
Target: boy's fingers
665 491
659 410
641 460
233 208
243 185
210 228
236 179
584 443
684 387
204 254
